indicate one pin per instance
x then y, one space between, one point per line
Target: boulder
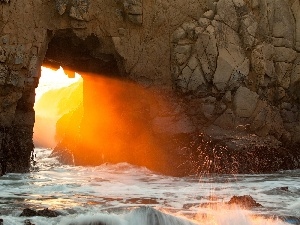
44 213
28 222
28 212
244 102
245 201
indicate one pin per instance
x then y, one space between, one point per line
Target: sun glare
56 95
51 79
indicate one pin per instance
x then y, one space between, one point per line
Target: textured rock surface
245 201
235 64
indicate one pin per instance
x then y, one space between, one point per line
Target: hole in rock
59 96
56 96
108 120
98 118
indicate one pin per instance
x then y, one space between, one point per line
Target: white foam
94 190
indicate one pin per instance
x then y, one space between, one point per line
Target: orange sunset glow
116 123
99 119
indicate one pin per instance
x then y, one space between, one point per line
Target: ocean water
117 195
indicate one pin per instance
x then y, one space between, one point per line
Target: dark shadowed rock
44 213
28 212
47 213
284 188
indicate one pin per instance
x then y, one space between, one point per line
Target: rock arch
205 56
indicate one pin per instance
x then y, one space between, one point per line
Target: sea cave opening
101 116
59 95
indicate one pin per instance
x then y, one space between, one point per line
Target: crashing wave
141 216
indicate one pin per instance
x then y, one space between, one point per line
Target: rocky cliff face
234 65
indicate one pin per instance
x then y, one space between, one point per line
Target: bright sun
56 95
51 79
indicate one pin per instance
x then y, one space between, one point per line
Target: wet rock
284 188
64 155
44 213
47 213
245 201
1 221
28 222
290 219
28 212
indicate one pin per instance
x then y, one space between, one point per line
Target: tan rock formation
240 52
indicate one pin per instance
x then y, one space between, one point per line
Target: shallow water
109 193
